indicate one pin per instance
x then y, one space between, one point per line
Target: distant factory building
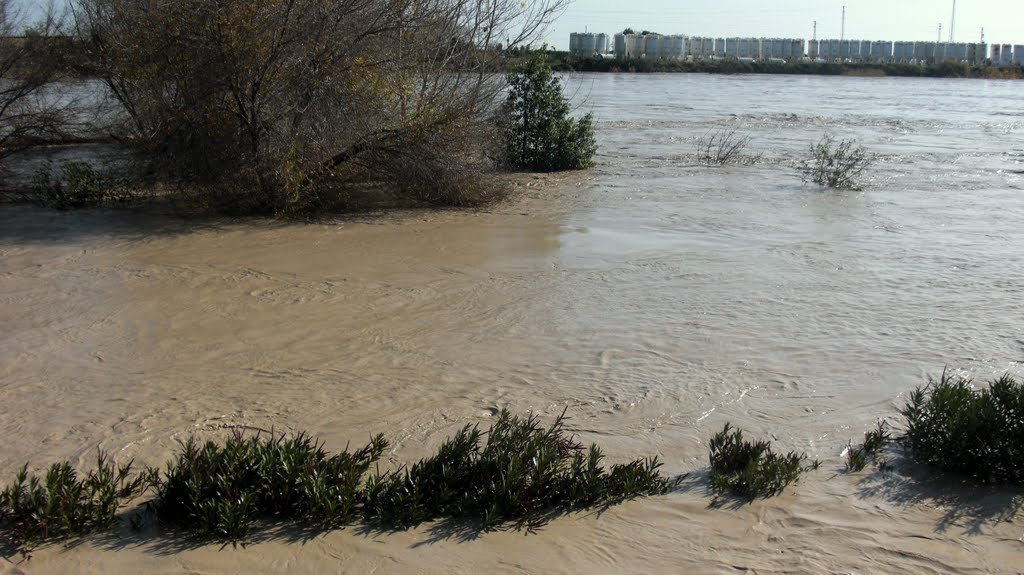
1005 55
924 52
1002 54
977 53
586 44
701 48
629 46
676 47
1018 54
750 48
828 49
672 47
732 47
878 51
903 51
788 49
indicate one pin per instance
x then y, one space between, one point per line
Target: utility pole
952 23
842 31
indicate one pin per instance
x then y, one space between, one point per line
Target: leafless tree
29 61
299 101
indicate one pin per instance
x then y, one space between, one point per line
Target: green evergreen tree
538 133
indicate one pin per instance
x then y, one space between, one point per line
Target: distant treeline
562 62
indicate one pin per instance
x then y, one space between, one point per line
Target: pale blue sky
865 19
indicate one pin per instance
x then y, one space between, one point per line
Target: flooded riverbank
654 298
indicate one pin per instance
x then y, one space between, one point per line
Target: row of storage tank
678 47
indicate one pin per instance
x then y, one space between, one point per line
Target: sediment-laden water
654 298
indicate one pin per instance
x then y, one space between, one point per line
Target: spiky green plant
975 432
60 504
521 472
222 491
749 469
858 456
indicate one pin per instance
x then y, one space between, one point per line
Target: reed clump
978 432
750 469
858 456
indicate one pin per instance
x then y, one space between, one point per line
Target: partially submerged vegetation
79 184
750 469
521 475
723 146
836 165
229 104
977 432
858 456
537 132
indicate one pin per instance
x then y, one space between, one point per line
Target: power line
952 23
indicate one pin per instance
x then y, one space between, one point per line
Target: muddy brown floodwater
653 298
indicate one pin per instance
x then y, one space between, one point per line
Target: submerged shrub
836 165
521 472
976 432
857 457
60 504
537 131
221 491
750 470
79 185
723 146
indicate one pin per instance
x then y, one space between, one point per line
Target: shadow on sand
964 503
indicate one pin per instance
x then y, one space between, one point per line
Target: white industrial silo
655 47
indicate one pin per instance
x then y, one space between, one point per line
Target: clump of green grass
222 491
60 504
750 470
520 473
976 432
857 457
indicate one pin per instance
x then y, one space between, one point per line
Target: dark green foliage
976 432
79 185
537 132
857 457
60 504
521 472
221 491
836 165
751 469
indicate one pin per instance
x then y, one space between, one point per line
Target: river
654 298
